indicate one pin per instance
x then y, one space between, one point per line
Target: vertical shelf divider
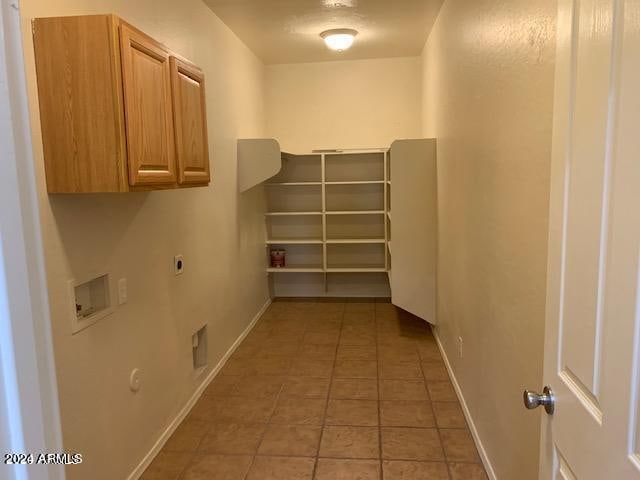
324 221
386 209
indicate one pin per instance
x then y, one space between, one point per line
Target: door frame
29 409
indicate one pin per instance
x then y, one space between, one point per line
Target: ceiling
287 31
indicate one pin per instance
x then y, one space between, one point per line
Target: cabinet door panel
148 109
190 122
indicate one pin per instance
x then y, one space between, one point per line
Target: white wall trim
28 385
175 423
467 414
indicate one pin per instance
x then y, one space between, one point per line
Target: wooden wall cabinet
119 111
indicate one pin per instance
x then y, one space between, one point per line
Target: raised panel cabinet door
190 118
148 109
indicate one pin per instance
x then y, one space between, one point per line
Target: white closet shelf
355 212
354 240
293 184
356 269
295 241
276 214
296 269
357 182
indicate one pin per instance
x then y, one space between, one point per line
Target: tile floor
327 390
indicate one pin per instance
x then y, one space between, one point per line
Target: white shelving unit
331 212
328 211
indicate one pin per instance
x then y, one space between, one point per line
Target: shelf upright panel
324 221
386 209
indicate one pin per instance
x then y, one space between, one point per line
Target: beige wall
488 93
347 104
136 235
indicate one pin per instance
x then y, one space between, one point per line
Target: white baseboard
148 458
465 409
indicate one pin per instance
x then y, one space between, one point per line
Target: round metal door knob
533 400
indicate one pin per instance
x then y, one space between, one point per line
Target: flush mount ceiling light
339 39
340 3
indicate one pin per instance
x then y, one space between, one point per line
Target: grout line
326 405
268 422
426 382
375 334
289 455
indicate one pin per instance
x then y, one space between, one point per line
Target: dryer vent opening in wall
199 345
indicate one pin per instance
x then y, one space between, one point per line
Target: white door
593 322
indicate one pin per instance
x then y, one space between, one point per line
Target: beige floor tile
322 321
391 353
207 407
352 412
391 389
218 467
400 370
321 338
187 436
293 440
256 338
458 446
167 466
332 469
312 367
281 468
232 438
357 329
247 350
356 306
306 387
353 337
357 352
429 352
354 388
411 444
398 341
467 471
286 335
350 442
399 470
434 372
441 391
273 365
355 369
221 386
406 413
244 410
359 318
326 352
449 415
279 349
359 321
265 386
299 411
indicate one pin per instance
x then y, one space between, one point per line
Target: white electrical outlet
122 291
178 264
459 347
